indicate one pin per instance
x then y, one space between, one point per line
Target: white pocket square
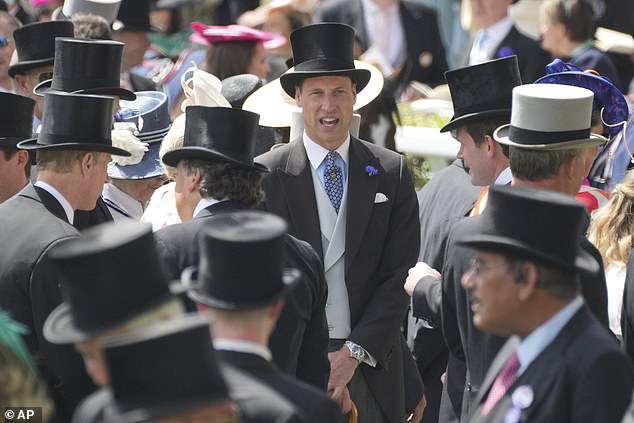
380 198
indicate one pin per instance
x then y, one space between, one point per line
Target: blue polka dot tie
333 180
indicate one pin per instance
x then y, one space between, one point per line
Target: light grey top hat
108 9
549 117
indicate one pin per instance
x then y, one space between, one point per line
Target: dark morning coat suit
299 342
582 376
257 403
420 29
313 405
85 219
381 244
531 58
447 197
464 340
31 223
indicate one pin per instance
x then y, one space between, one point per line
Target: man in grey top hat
72 156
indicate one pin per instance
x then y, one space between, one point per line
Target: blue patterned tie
333 180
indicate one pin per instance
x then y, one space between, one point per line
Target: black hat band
531 137
326 64
56 139
73 84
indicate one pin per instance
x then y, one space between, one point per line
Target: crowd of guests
166 257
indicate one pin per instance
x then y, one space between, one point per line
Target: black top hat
482 91
35 44
539 225
108 276
222 280
75 122
16 124
237 88
86 67
164 370
218 134
323 49
134 16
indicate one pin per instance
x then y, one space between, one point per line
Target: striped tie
502 383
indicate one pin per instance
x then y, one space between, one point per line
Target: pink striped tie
502 383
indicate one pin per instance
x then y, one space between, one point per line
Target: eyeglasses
477 266
4 41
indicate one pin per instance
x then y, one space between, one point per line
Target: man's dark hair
91 27
561 283
225 180
8 155
478 130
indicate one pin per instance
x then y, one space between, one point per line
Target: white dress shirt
378 35
487 41
247 347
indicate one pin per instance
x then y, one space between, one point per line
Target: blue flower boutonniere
505 51
371 170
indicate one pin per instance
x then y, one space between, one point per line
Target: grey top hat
107 9
549 117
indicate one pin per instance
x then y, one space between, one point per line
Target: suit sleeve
380 323
426 301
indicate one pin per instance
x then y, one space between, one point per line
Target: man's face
94 361
493 293
12 177
485 13
96 177
27 81
186 192
475 158
326 103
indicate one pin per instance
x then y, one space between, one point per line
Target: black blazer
299 342
593 58
530 56
425 61
31 223
257 403
313 405
86 219
580 377
382 241
465 341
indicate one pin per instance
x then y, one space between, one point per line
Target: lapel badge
523 397
425 59
513 415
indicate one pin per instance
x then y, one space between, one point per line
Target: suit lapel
297 183
361 191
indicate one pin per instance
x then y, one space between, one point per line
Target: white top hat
276 108
549 117
108 9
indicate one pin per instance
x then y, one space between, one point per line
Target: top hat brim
11 142
171 158
501 135
45 86
276 108
291 79
290 279
456 122
21 67
31 144
59 327
584 262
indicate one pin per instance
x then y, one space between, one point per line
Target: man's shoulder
517 39
277 155
386 156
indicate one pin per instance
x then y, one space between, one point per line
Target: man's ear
298 96
21 82
23 158
527 278
87 162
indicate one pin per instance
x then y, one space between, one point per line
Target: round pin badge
523 397
513 415
425 59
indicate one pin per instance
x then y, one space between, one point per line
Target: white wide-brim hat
276 108
549 117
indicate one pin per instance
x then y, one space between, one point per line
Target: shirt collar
68 209
496 33
203 204
316 153
537 341
504 178
124 200
247 347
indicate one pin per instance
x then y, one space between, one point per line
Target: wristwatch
356 351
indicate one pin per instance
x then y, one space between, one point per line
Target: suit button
468 387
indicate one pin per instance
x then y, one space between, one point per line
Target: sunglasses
4 41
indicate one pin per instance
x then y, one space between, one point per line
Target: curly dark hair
222 180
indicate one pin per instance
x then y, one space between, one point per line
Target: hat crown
552 108
230 132
237 88
135 15
86 64
35 43
19 122
110 274
323 47
484 87
229 241
170 368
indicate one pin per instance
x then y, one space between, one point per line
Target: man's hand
416 273
342 368
417 415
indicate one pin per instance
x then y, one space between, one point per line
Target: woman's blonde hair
612 226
